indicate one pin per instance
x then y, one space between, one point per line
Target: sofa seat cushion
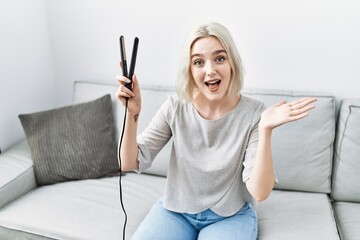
297 216
90 209
348 219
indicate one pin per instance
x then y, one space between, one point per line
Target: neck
215 109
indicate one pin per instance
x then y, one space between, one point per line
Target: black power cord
129 86
119 159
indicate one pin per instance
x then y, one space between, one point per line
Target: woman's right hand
134 102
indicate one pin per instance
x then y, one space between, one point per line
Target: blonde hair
185 82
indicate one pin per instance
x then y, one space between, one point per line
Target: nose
210 70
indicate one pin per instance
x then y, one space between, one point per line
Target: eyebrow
214 53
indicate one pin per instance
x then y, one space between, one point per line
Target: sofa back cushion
302 150
346 174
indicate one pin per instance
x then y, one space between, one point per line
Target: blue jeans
162 224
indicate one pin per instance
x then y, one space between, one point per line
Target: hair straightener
124 61
129 75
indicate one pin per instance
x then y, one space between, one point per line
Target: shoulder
171 105
176 103
252 104
172 102
254 108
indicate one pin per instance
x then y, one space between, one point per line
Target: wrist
133 116
133 111
265 130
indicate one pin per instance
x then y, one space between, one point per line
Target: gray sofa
317 161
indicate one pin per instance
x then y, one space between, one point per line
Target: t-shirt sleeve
250 152
155 136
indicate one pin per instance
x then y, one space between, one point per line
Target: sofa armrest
17 175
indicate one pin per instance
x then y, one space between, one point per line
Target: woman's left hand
284 112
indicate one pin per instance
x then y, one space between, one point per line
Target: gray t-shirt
210 159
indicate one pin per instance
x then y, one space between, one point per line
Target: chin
216 96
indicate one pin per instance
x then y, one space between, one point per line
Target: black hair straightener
124 61
129 75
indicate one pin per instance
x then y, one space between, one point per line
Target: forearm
262 178
129 148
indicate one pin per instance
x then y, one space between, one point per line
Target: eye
220 59
198 62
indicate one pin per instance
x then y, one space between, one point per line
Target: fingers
122 80
297 109
281 102
300 108
298 117
123 92
300 103
135 81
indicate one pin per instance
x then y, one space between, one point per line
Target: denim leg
162 224
241 226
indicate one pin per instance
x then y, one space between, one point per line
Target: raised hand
284 112
134 96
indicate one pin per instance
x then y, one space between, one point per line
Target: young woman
221 157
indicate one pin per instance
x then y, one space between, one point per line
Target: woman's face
210 68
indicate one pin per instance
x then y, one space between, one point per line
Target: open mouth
213 84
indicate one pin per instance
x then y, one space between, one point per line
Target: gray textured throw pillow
72 142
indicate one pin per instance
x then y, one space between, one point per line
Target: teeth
212 81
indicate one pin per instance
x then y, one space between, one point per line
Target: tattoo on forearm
136 117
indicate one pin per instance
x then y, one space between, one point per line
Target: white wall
26 71
285 44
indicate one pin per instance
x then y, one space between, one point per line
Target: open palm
284 112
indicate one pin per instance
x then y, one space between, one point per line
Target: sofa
317 162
